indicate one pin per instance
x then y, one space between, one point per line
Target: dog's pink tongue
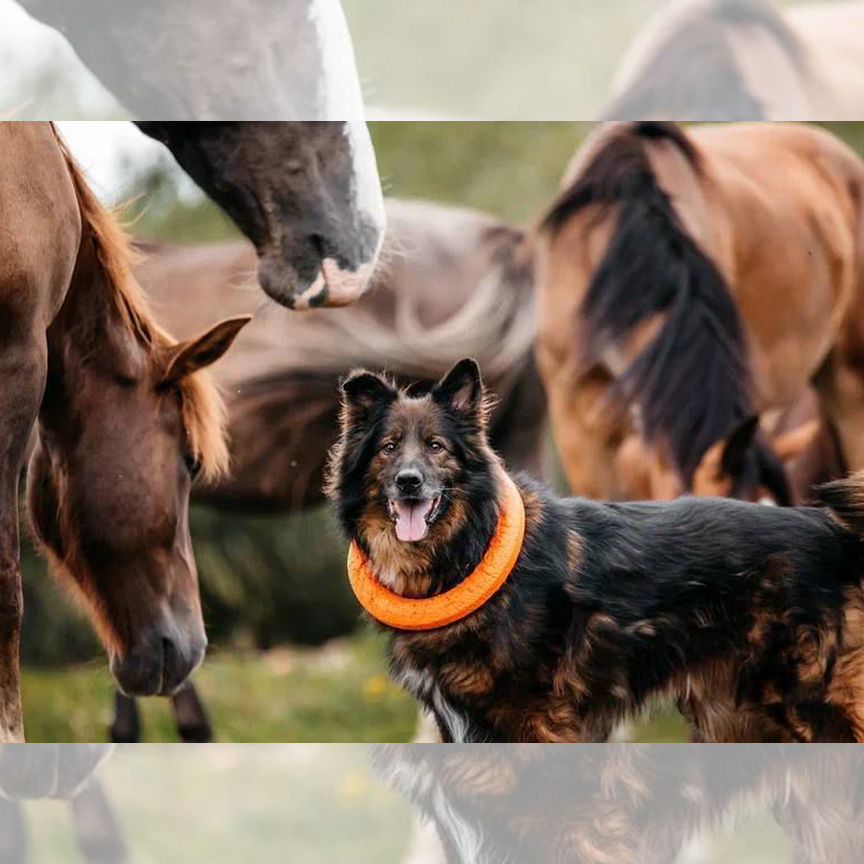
411 520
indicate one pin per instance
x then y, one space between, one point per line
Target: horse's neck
88 336
693 200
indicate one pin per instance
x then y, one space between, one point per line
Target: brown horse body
751 238
120 414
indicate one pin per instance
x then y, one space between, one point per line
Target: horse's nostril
409 481
317 242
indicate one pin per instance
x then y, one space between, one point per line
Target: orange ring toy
429 613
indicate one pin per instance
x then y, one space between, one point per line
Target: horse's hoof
197 734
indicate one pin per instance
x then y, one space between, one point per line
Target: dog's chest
422 685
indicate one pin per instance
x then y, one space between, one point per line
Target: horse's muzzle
159 663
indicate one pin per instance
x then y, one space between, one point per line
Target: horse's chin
160 662
333 286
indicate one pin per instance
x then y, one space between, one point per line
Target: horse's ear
790 445
188 357
461 389
737 444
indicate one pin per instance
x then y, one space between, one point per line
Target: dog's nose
409 480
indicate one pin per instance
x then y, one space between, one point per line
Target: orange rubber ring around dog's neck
429 613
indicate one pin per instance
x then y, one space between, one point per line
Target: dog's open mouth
413 517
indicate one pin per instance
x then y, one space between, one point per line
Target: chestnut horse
123 416
744 60
701 277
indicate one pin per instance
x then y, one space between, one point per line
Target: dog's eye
436 446
389 447
193 465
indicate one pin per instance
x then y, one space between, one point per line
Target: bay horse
701 277
744 60
123 415
451 279
306 194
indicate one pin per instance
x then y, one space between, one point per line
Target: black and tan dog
751 617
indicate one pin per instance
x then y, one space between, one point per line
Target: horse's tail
845 499
691 383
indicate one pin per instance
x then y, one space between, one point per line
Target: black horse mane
693 72
691 384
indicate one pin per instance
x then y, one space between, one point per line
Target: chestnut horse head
127 422
306 194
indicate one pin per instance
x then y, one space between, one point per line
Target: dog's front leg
443 731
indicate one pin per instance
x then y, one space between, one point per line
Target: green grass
340 693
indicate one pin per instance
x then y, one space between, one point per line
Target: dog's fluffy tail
845 499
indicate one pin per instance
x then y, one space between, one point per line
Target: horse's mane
688 69
203 408
691 384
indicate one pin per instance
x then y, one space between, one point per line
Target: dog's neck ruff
429 613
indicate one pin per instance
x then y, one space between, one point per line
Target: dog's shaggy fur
751 617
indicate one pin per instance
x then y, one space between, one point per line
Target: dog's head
410 462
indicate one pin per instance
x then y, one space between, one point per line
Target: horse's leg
587 434
193 723
840 386
100 835
23 367
126 726
519 423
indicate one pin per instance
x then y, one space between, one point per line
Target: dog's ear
461 389
363 391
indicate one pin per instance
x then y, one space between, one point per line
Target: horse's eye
389 447
193 465
436 446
